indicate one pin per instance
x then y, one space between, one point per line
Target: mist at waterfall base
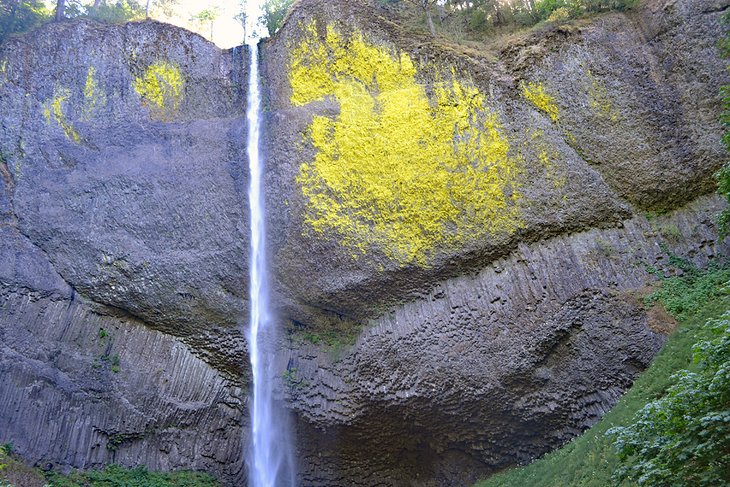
269 457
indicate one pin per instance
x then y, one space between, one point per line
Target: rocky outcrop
495 368
431 336
601 121
123 255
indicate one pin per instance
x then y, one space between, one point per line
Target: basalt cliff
460 238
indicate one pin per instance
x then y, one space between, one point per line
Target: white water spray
270 459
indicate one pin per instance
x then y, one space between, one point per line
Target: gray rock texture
124 236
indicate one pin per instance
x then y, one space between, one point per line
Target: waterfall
270 459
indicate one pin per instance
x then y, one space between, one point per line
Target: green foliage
117 12
114 476
20 16
723 187
683 439
274 13
591 459
684 295
481 17
7 448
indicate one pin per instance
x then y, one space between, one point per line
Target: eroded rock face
598 122
123 248
445 351
124 151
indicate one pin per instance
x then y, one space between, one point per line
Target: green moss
53 109
399 169
161 89
535 93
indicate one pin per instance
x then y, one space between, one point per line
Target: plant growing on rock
683 439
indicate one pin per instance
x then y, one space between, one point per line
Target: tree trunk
147 10
60 5
429 19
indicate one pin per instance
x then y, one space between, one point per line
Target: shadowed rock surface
124 231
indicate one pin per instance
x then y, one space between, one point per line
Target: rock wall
123 255
495 368
502 325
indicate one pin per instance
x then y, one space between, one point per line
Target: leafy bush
683 439
274 14
21 16
684 295
723 187
117 12
115 476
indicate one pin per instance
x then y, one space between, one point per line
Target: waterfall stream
270 458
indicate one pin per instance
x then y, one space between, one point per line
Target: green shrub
683 439
21 16
115 476
591 459
274 13
684 295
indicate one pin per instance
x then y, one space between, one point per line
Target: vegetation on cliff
480 18
654 439
13 473
398 168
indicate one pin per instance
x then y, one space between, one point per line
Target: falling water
270 461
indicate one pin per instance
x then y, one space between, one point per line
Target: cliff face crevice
460 238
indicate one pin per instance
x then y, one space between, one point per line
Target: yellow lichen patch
161 88
396 169
548 158
3 71
53 109
599 100
544 102
94 97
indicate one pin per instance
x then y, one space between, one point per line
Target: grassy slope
589 460
13 473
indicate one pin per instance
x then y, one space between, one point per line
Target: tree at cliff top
20 16
426 6
274 13
480 17
208 15
120 11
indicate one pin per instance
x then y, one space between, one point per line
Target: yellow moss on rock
544 102
599 100
397 169
94 97
53 109
161 88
